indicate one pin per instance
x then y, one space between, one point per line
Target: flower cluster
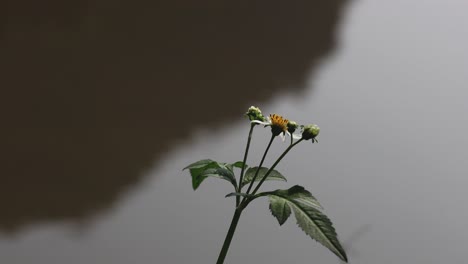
281 126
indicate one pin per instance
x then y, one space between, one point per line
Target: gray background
390 167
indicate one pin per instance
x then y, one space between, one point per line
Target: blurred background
103 103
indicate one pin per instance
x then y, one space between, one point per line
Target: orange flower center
279 122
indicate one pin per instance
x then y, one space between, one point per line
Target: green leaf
238 194
300 195
199 164
306 209
250 173
239 164
221 172
203 169
279 208
197 174
317 225
229 166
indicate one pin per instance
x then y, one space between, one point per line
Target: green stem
274 165
230 234
261 163
252 125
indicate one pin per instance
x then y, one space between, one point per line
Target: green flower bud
254 113
310 132
292 126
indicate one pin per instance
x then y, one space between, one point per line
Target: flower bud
292 126
254 113
310 132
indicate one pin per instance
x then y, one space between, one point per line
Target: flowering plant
306 208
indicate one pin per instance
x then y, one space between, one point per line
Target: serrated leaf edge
337 249
284 206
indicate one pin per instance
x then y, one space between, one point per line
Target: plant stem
274 165
261 163
243 165
230 234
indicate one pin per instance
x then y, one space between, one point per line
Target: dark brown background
94 92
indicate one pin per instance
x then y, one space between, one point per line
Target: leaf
238 194
250 173
197 174
239 164
229 166
306 210
203 169
319 227
199 164
279 208
300 195
221 172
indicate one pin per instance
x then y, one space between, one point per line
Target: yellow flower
278 124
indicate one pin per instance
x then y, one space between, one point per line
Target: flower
279 126
310 132
255 114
